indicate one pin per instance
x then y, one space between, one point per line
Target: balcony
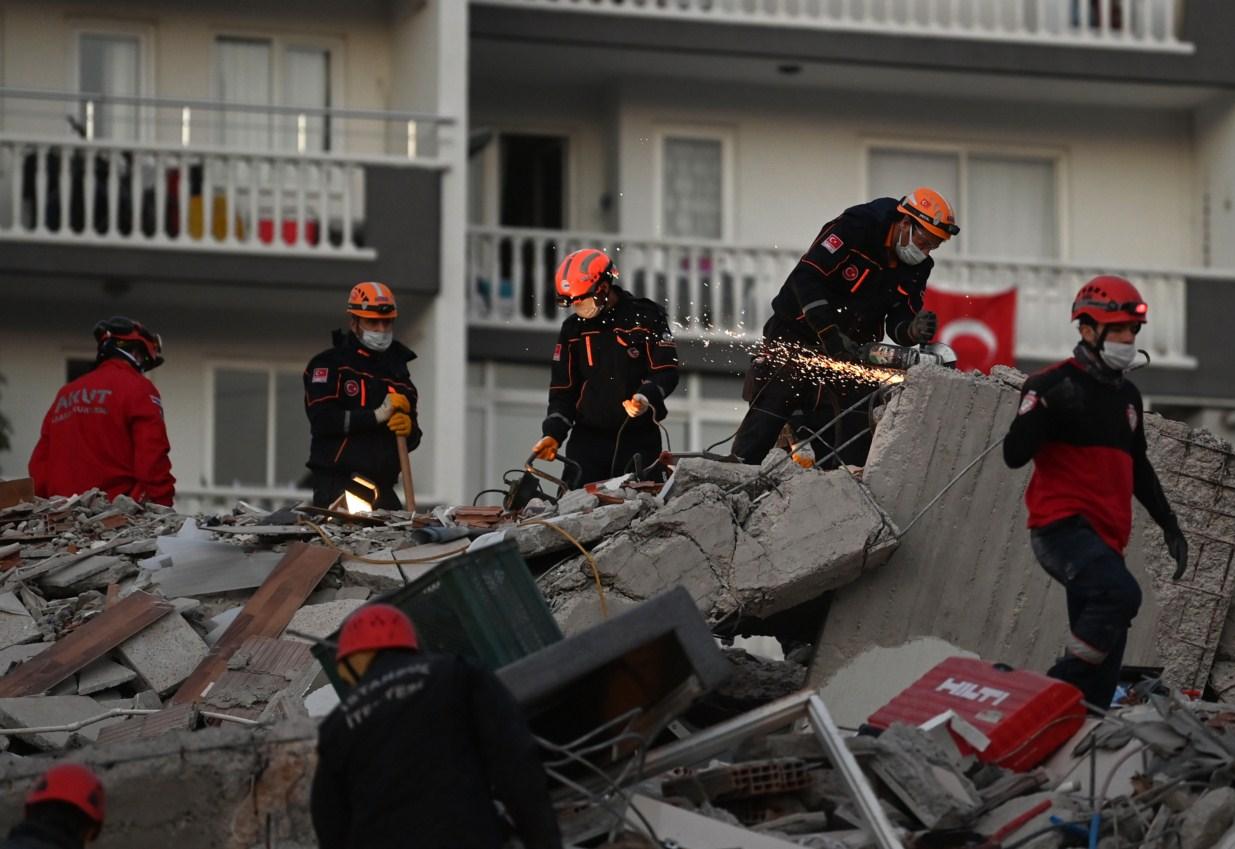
160 174
1145 25
720 293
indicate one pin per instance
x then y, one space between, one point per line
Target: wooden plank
265 614
16 491
91 641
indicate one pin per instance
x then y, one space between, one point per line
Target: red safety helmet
375 627
1108 299
581 274
931 211
71 783
372 300
120 332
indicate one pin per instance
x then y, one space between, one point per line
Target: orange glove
545 449
401 424
803 460
636 406
400 403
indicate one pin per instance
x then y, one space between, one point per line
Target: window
533 192
260 435
109 64
1006 205
692 188
268 72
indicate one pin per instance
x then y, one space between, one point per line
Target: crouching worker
614 364
419 749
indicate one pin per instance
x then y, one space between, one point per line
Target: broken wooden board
259 670
15 492
265 614
91 641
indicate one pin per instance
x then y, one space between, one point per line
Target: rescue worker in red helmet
614 365
64 810
1081 422
105 429
864 276
359 396
420 747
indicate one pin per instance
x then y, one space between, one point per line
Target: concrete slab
164 654
93 573
38 711
103 674
381 577
322 620
690 829
227 570
872 678
17 626
587 527
14 655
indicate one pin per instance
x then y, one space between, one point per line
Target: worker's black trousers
327 487
607 454
778 395
1103 598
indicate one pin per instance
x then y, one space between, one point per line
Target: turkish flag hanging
980 328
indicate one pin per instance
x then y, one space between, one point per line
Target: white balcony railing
715 292
200 175
1126 24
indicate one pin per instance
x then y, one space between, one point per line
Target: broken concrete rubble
164 654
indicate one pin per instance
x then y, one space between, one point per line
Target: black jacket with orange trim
1088 462
343 386
600 362
849 281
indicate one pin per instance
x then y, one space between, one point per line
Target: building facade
224 172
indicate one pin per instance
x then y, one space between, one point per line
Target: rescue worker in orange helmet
105 429
863 276
1082 423
614 365
420 747
359 396
64 810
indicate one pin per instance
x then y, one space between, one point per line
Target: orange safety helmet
73 784
375 627
372 300
1108 299
582 273
930 209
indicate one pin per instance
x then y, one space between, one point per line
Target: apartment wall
799 157
1215 181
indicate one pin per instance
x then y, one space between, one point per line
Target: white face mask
907 251
1118 356
585 309
376 340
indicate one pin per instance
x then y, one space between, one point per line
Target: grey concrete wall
213 789
965 572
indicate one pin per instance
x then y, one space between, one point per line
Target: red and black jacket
600 362
850 280
1089 463
343 386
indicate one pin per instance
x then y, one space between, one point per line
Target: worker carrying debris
420 747
1081 421
64 810
359 396
614 365
105 429
865 275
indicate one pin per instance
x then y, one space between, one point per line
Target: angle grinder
887 355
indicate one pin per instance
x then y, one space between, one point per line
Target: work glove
401 424
399 402
837 344
922 328
636 406
1178 547
545 449
1064 398
804 460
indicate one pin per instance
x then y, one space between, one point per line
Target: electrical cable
600 590
375 561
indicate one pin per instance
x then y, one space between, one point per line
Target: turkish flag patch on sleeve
833 243
557 352
321 375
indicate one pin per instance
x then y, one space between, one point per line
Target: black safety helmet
123 335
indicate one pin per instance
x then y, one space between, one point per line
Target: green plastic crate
483 605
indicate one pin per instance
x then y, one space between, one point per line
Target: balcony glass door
109 65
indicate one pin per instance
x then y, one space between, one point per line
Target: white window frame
728 201
271 369
279 44
491 169
145 35
963 151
